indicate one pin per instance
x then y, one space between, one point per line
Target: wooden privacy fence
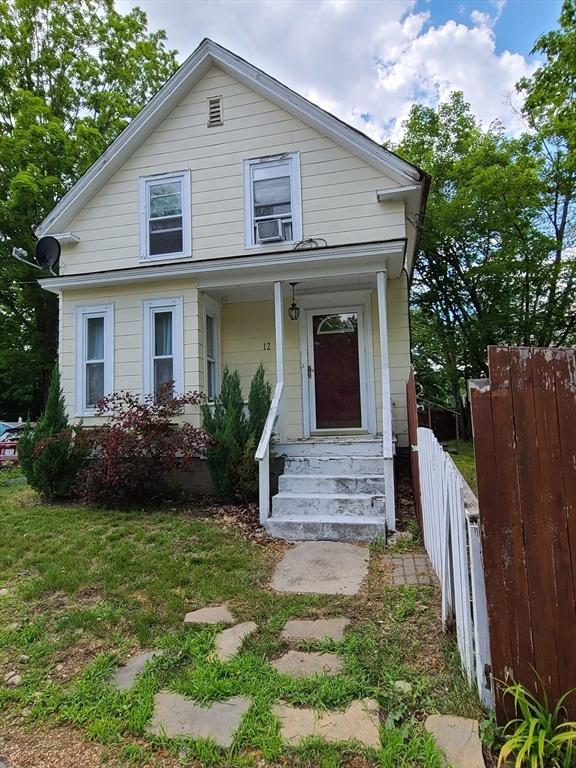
448 515
524 426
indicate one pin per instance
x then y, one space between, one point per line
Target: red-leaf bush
134 455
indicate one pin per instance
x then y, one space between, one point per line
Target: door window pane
210 336
211 379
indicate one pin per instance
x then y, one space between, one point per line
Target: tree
73 73
49 454
493 265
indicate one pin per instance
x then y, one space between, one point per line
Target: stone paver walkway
228 642
411 569
457 738
301 664
174 716
124 677
214 614
359 721
322 568
315 629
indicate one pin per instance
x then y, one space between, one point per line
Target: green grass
463 455
88 586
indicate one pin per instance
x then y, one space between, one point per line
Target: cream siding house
182 248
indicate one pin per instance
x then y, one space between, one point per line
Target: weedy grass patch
88 587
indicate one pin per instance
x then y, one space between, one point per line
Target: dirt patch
61 747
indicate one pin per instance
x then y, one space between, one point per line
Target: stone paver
359 721
300 664
322 568
174 716
214 614
457 738
228 642
411 569
315 629
125 675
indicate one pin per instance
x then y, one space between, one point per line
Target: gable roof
206 55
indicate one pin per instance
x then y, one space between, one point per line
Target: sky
368 61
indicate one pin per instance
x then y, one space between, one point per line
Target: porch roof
309 263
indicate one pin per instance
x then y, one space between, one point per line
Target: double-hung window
163 346
212 347
94 356
272 200
165 216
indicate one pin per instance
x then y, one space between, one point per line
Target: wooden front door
336 369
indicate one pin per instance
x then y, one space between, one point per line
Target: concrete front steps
330 489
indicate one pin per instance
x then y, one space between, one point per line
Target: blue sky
368 61
519 24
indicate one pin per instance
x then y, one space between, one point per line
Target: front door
336 369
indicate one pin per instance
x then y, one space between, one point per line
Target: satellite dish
47 252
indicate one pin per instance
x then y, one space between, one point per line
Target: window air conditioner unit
269 231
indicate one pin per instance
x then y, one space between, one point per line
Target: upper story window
272 200
165 216
163 345
95 356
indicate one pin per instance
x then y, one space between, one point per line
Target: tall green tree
493 265
73 73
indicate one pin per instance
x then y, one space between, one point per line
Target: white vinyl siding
94 356
338 190
272 198
165 216
163 345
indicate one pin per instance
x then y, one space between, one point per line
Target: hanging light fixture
294 309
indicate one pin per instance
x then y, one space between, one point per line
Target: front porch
331 420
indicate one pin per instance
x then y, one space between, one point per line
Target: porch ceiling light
293 309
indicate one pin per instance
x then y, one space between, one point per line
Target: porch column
279 332
381 278
381 282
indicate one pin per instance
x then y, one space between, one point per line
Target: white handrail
262 454
269 424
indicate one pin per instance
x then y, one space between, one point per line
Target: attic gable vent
215 111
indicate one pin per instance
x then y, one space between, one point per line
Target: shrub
225 422
235 439
538 737
134 454
50 455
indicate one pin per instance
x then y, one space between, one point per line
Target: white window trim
149 308
212 308
295 202
186 252
82 314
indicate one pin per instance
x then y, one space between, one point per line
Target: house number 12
266 346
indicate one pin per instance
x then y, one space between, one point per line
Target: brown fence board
524 425
535 522
494 549
413 440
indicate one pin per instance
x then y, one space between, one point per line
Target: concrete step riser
328 506
295 529
334 465
322 484
323 448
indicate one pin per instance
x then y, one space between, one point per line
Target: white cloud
367 62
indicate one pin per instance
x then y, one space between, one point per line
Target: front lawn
88 587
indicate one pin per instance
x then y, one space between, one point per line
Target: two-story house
233 222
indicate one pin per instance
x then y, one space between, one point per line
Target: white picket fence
451 537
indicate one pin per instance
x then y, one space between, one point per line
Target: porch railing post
279 332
